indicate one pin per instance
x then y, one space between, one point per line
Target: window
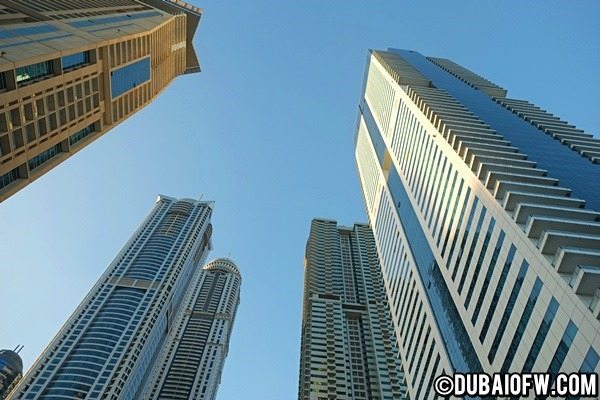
2 80
516 340
110 20
77 136
43 157
34 30
34 71
508 310
563 348
541 335
9 177
126 78
75 60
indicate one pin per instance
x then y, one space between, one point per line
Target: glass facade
27 31
128 77
82 134
516 340
44 156
9 177
450 179
508 310
548 153
34 71
113 19
75 60
563 348
540 336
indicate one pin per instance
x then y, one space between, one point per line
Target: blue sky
266 131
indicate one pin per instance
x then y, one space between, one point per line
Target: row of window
476 269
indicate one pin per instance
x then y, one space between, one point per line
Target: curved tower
11 370
108 346
192 359
485 212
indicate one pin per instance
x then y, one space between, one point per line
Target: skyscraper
485 214
192 359
70 70
108 346
348 349
11 370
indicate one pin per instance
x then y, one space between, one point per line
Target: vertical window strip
488 277
482 254
426 149
540 337
588 366
472 249
435 187
416 323
403 137
413 300
497 292
440 201
438 186
464 202
590 362
422 347
423 149
465 233
452 200
434 369
435 162
413 146
407 156
563 348
426 171
516 340
508 310
426 369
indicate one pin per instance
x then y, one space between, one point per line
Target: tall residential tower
348 349
70 70
192 359
485 212
11 370
152 305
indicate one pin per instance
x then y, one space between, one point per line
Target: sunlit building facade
348 350
485 215
70 70
109 345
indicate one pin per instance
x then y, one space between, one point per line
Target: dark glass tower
11 370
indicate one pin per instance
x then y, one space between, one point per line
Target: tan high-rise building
70 70
348 349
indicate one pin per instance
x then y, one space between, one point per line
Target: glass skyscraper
348 349
485 213
154 305
11 370
71 70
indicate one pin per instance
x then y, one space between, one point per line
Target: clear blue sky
266 130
